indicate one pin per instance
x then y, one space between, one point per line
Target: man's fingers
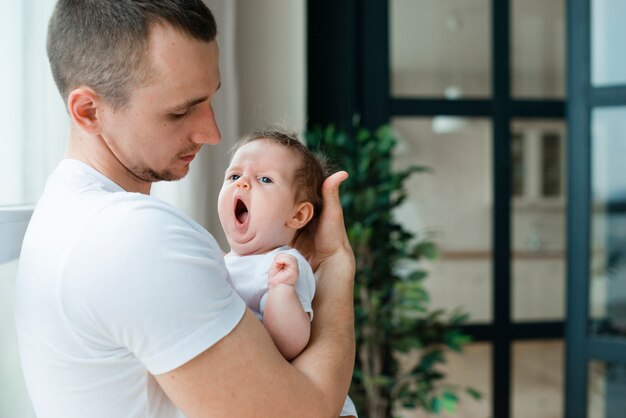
330 235
332 182
330 190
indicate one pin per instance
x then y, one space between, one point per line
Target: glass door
474 89
596 326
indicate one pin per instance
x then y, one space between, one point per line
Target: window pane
14 401
538 48
518 148
552 159
440 48
538 220
472 368
537 386
608 62
605 390
608 222
459 152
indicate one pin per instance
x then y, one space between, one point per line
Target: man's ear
301 216
83 106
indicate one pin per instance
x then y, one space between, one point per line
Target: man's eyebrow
188 103
193 102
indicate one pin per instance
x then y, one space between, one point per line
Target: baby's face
257 199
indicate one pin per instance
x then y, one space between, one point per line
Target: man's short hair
103 44
309 176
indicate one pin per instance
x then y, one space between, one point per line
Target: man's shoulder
75 187
88 209
136 209
145 225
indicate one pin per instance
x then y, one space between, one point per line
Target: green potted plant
392 311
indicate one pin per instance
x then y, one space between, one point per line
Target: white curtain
196 194
33 133
33 121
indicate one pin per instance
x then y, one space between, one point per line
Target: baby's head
308 177
271 191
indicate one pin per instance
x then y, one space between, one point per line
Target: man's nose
207 131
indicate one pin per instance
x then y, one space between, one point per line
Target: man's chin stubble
152 176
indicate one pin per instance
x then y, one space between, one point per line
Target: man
122 306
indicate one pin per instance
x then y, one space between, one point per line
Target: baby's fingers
283 261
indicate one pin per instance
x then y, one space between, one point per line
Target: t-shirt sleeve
153 282
305 286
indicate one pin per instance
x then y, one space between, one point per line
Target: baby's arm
285 320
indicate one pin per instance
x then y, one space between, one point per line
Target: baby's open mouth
241 211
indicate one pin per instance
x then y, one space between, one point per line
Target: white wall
271 63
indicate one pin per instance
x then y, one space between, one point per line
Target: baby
271 192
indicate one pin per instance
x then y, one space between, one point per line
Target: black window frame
348 74
582 346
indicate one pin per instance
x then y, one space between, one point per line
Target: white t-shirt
249 276
114 287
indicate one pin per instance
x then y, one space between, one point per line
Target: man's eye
266 180
179 115
234 177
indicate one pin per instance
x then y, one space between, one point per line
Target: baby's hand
284 271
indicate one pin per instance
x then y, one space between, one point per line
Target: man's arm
244 375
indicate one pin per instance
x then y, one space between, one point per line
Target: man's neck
94 152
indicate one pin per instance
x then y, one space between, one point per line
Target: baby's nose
242 183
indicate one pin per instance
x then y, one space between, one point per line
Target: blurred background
518 106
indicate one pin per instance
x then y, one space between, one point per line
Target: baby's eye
266 180
233 177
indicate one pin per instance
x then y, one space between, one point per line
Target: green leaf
409 404
362 135
417 276
435 405
449 395
458 318
425 249
431 358
407 344
455 339
474 393
449 404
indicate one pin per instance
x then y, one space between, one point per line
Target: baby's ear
303 213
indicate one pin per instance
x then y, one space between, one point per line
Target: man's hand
332 259
331 240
